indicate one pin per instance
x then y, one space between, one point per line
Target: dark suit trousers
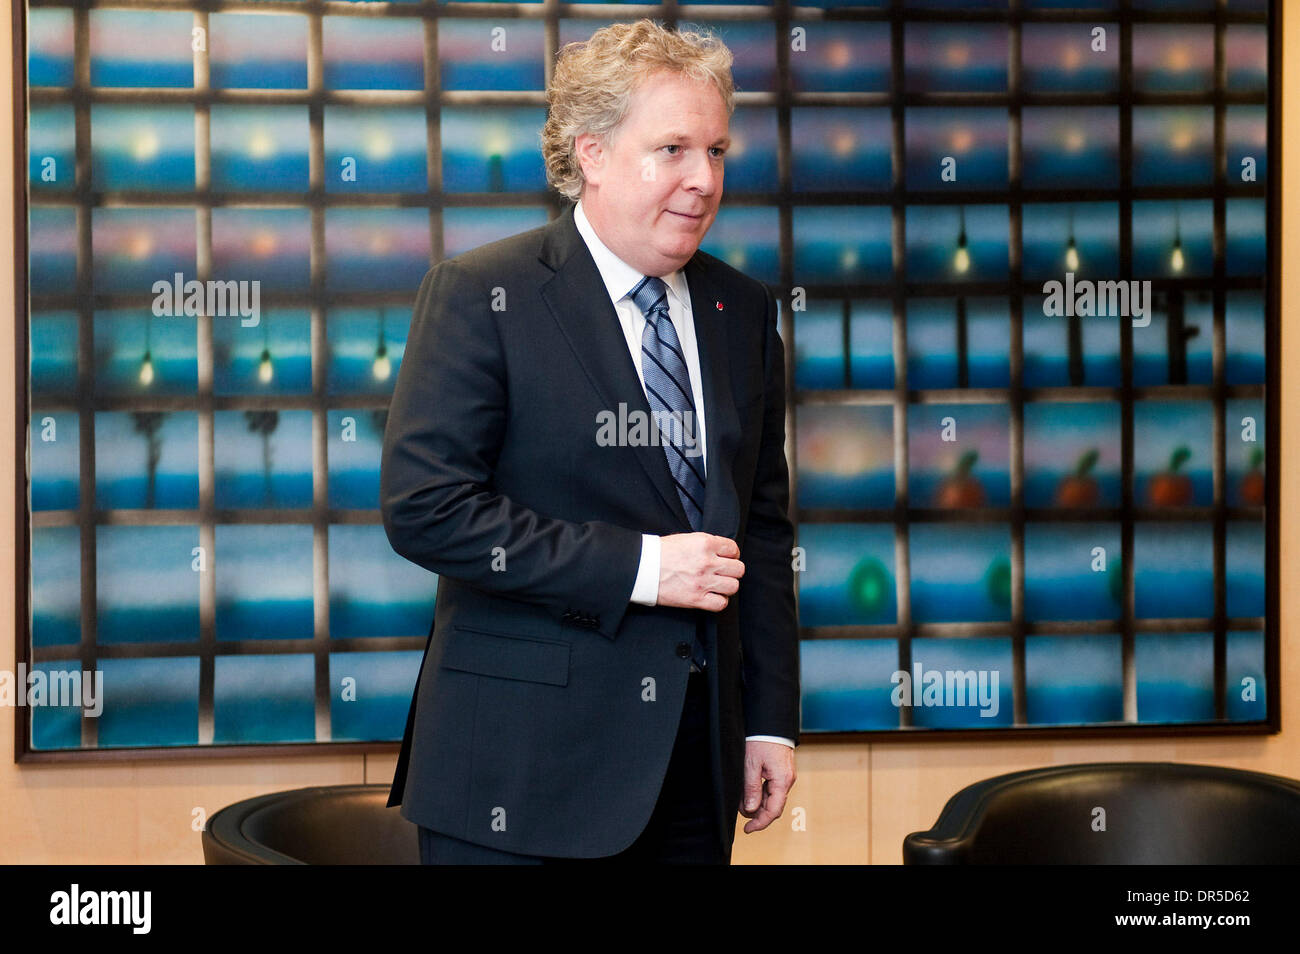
682 828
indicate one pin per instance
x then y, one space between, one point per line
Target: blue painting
1025 316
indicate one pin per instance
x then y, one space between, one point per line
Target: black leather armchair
326 825
1155 813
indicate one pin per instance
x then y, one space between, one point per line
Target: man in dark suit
587 443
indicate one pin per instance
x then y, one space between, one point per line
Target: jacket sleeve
446 424
769 627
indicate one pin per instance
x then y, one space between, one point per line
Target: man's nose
704 175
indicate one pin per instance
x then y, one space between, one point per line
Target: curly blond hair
591 89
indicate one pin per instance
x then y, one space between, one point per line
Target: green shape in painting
1115 580
998 581
869 586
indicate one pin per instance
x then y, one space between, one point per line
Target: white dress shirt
620 278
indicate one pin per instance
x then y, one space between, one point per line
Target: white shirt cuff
770 738
646 588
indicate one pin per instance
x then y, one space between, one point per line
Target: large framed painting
1027 259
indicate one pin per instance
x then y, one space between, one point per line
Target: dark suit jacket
547 704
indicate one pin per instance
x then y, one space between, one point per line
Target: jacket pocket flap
507 656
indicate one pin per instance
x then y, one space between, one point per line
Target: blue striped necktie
668 387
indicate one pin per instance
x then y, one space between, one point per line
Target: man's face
652 191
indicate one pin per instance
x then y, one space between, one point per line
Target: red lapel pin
719 304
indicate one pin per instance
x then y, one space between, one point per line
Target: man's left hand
769 776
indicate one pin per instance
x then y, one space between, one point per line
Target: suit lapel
721 513
580 304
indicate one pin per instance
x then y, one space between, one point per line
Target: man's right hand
698 571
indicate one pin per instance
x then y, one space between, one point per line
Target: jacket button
683 650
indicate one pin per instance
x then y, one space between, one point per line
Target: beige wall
859 800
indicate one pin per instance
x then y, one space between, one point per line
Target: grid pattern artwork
1058 494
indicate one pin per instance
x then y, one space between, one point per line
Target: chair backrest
1152 813
337 824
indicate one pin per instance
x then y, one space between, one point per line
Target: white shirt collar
620 277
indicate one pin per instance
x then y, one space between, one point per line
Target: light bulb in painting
961 261
379 145
144 145
264 368
263 244
1071 257
146 370
140 245
843 142
382 367
261 145
497 143
1176 261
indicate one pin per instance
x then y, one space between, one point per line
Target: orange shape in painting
960 489
1080 488
1171 487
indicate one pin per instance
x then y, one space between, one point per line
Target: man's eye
672 147
719 151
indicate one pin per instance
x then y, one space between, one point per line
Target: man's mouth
687 215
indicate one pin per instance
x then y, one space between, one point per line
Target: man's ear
590 152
